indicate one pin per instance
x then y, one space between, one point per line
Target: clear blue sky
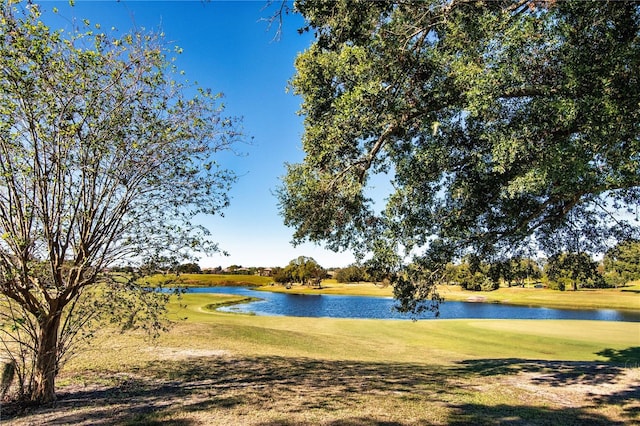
228 49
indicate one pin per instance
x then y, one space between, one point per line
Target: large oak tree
504 127
104 158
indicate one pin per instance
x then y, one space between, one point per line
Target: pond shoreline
625 298
368 307
622 299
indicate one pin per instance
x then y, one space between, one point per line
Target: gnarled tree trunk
46 365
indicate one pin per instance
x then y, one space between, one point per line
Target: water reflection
335 306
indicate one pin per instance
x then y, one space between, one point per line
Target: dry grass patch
274 390
175 354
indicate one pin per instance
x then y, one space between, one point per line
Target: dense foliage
304 270
505 128
351 274
622 263
104 160
573 269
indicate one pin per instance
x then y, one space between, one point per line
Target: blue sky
227 48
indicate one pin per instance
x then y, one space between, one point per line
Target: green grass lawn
337 338
380 340
219 368
209 280
232 369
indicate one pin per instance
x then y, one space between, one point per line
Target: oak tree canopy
503 127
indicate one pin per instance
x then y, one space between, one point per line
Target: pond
334 306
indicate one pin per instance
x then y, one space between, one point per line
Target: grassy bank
210 280
625 298
216 368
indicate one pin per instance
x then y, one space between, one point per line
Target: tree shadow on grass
623 398
555 373
597 376
286 391
478 414
278 387
629 357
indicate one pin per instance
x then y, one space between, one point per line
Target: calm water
279 304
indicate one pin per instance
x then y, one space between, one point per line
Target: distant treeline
562 271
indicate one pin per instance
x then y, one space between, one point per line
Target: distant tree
575 269
526 269
463 275
350 274
283 275
450 273
473 274
233 269
189 268
622 263
502 125
104 159
515 270
304 270
501 270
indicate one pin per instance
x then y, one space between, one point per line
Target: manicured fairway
216 368
211 280
575 340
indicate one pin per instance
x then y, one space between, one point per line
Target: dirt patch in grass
168 353
221 388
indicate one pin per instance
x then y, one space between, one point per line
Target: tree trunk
46 366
